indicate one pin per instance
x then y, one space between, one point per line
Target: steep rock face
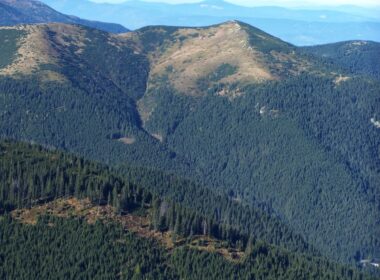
14 12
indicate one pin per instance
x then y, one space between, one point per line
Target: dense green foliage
76 121
59 248
96 106
356 57
8 46
72 249
106 65
224 70
304 145
30 175
299 157
156 37
262 263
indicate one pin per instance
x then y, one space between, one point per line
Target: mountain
65 217
299 26
14 12
195 58
231 108
48 57
358 57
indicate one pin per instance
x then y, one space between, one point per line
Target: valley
179 152
214 132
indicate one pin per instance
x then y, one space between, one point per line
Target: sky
284 3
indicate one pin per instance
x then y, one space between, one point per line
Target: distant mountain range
298 26
29 11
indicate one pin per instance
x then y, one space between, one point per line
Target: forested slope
357 57
272 130
105 252
307 146
92 113
31 176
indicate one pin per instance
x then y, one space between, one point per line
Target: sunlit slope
75 88
228 106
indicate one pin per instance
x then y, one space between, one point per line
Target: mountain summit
191 59
195 58
14 12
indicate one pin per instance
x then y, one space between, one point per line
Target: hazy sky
272 2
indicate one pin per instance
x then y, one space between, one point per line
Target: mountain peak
14 12
195 53
226 53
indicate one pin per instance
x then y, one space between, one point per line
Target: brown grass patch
140 225
43 44
211 245
33 51
202 51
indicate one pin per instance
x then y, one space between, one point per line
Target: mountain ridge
302 144
354 56
324 26
183 54
112 227
32 11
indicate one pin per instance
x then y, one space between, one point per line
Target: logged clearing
138 224
339 79
127 140
158 136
